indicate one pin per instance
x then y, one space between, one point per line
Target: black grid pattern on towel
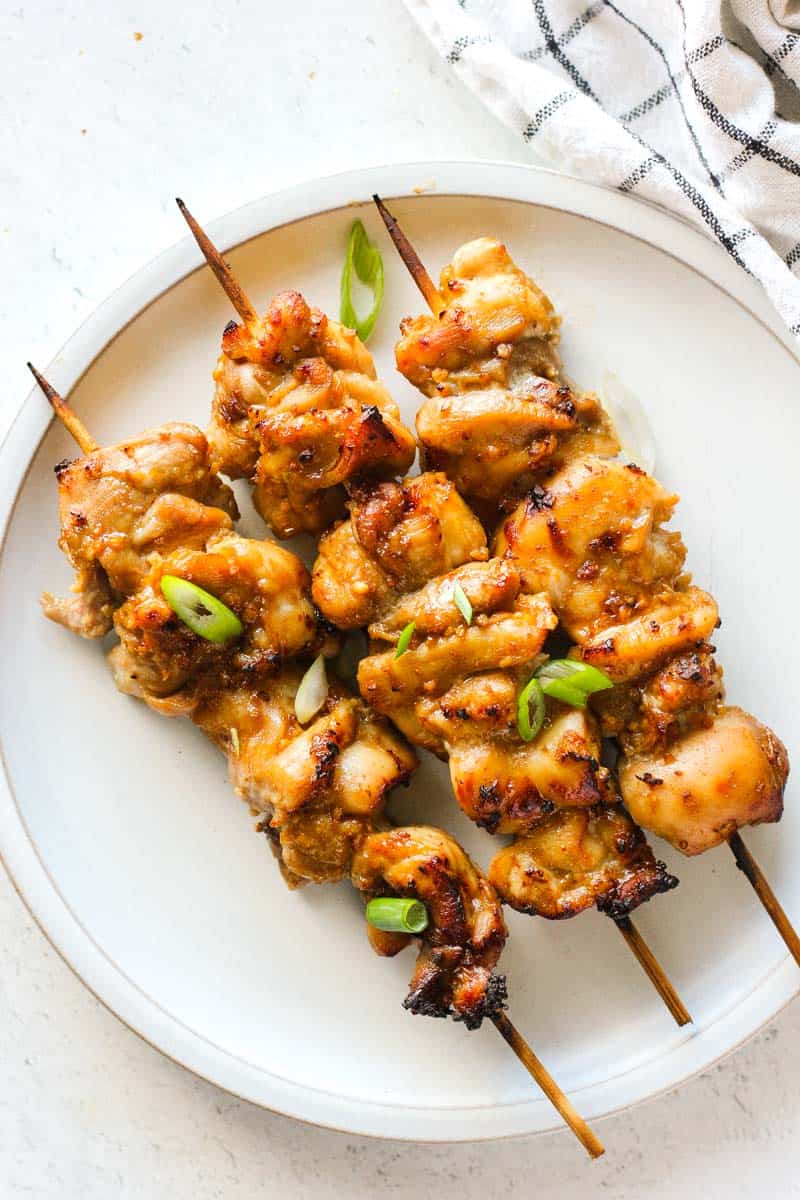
670 83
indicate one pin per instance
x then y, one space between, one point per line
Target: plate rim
692 1052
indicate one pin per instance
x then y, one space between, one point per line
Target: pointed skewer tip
653 969
536 1068
227 280
68 418
414 264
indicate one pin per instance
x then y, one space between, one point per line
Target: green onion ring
396 914
578 674
563 690
201 612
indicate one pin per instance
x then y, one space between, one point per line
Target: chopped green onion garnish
572 681
462 603
404 641
580 675
365 259
203 613
397 915
530 722
312 692
563 690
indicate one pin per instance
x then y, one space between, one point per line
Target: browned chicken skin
399 536
121 505
323 787
266 586
579 858
459 950
455 688
496 412
299 410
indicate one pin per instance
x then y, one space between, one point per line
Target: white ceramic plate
119 829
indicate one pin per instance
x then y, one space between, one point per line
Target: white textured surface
223 102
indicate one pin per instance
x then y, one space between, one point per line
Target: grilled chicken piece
267 587
121 505
298 409
453 975
593 540
321 787
701 788
683 695
577 858
496 412
503 784
403 688
399 536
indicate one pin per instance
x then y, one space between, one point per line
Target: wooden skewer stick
69 419
653 969
224 274
748 865
416 267
545 1080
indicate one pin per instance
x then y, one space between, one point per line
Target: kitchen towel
692 104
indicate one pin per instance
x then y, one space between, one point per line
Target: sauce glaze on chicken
299 410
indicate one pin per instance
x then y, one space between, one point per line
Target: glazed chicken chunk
496 411
399 536
120 506
298 409
163 662
578 858
321 787
699 789
454 973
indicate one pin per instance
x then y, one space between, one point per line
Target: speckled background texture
101 127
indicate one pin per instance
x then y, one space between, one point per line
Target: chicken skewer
298 408
708 733
634 940
455 969
450 682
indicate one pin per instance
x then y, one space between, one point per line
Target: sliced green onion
404 641
203 613
529 723
572 681
365 259
312 692
563 690
578 675
397 915
462 603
